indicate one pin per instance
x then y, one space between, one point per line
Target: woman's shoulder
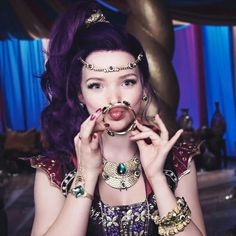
183 153
54 168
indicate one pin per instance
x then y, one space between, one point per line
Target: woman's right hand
87 147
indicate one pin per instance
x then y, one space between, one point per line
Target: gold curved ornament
125 105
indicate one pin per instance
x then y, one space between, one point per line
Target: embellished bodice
133 219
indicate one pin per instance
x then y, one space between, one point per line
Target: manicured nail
92 117
106 125
99 109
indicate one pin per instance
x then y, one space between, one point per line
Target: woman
102 173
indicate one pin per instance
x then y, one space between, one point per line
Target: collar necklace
122 175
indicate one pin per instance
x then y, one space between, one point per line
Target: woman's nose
114 97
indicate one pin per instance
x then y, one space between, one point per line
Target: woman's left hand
153 156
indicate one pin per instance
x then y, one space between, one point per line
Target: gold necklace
122 175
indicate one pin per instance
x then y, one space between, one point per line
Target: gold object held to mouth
125 105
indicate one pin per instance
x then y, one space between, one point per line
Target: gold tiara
96 17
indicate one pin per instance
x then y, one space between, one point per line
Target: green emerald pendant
121 169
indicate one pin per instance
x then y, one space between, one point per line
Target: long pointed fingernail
99 109
92 117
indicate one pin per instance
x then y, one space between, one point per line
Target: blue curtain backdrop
21 63
218 59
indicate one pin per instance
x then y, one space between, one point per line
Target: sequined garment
128 220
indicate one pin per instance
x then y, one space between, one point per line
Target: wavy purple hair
71 39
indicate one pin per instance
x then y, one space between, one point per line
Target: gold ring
119 104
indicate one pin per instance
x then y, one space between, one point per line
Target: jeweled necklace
122 175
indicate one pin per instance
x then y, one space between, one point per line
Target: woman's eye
94 86
130 82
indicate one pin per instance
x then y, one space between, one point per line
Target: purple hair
71 39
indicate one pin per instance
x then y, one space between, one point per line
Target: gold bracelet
175 221
79 192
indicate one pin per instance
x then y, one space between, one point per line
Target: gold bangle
175 221
79 190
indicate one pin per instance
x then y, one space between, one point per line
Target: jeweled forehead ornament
96 17
111 68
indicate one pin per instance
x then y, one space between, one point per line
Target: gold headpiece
131 65
96 17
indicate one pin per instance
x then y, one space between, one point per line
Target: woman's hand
153 156
87 146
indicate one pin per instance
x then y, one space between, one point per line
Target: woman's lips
117 113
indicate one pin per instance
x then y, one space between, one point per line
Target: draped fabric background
2 112
190 72
204 65
219 72
21 63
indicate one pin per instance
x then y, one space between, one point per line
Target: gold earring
144 98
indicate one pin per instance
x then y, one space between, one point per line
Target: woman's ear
145 92
81 98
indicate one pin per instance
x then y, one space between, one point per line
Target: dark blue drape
21 63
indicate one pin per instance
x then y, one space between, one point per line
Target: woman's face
100 89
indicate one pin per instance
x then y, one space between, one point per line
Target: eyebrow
120 77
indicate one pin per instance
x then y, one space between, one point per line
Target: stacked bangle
175 221
67 181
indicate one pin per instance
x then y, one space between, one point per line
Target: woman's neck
118 148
